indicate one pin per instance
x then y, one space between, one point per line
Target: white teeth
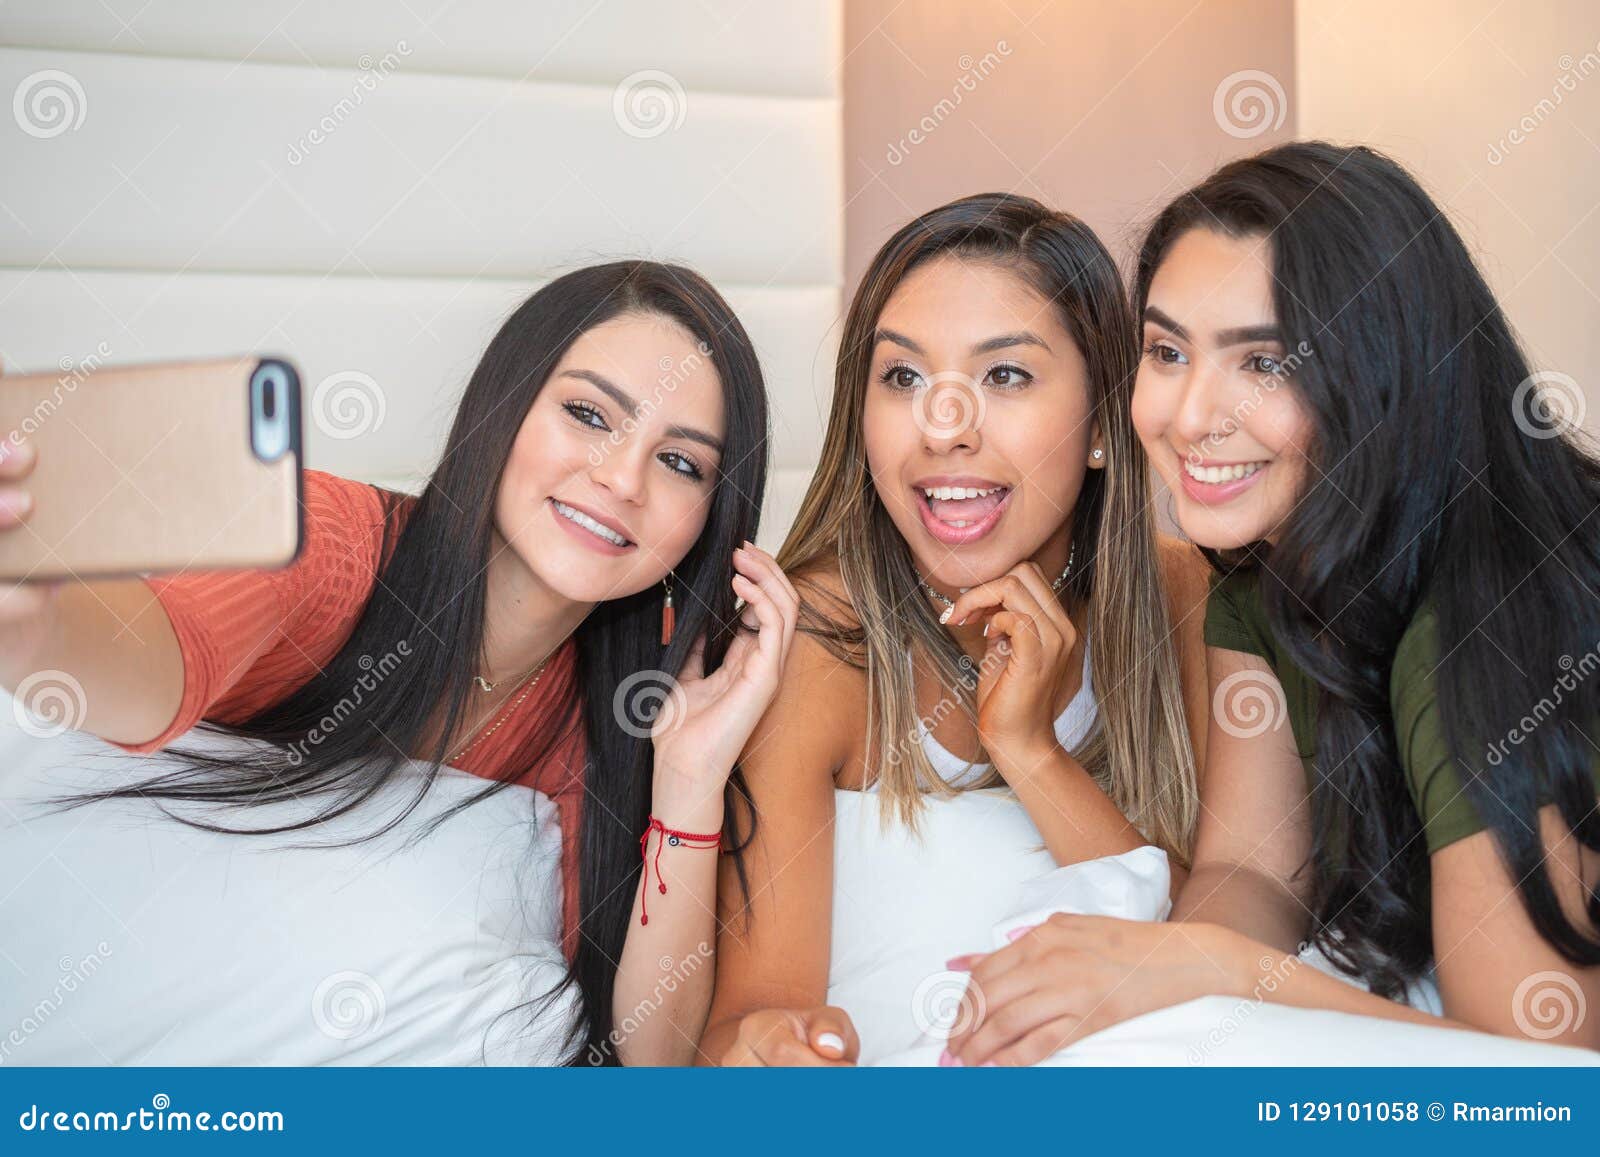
588 523
1215 474
952 493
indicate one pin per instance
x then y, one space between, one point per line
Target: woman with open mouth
985 606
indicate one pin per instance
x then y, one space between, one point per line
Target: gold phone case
156 468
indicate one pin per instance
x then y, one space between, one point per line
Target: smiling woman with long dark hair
1402 763
587 526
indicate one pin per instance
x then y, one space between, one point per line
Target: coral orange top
249 638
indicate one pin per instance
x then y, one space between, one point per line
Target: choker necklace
1055 587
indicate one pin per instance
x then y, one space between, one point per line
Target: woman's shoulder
345 519
343 496
1416 657
825 601
821 699
1185 573
1235 616
826 660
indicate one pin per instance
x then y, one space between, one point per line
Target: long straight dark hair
1448 487
432 594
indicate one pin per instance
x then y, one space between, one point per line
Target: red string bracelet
668 836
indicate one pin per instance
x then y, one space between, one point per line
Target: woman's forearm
1276 977
1243 900
665 976
114 641
1077 820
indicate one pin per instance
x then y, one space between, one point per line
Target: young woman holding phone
590 521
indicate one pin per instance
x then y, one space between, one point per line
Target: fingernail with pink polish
1019 933
948 1061
17 503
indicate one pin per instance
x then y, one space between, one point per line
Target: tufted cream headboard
369 187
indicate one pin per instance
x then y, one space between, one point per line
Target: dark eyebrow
1242 335
1007 340
1249 335
631 404
1004 341
898 339
1152 314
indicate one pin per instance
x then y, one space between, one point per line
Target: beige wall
1497 108
1104 109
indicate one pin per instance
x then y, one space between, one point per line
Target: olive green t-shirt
1236 620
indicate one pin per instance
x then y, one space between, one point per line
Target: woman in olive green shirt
1403 636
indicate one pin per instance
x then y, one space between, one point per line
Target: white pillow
906 902
129 938
904 905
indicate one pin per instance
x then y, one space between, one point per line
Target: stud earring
1099 454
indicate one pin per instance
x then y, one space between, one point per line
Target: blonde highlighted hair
1139 750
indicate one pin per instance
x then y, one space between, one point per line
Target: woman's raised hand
1025 668
699 736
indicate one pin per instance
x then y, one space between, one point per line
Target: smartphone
156 468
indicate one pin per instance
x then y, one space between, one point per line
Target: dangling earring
666 611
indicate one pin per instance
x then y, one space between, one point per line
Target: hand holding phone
145 469
20 603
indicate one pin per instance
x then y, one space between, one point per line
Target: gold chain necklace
537 674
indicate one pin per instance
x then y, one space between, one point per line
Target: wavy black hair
1440 481
432 592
